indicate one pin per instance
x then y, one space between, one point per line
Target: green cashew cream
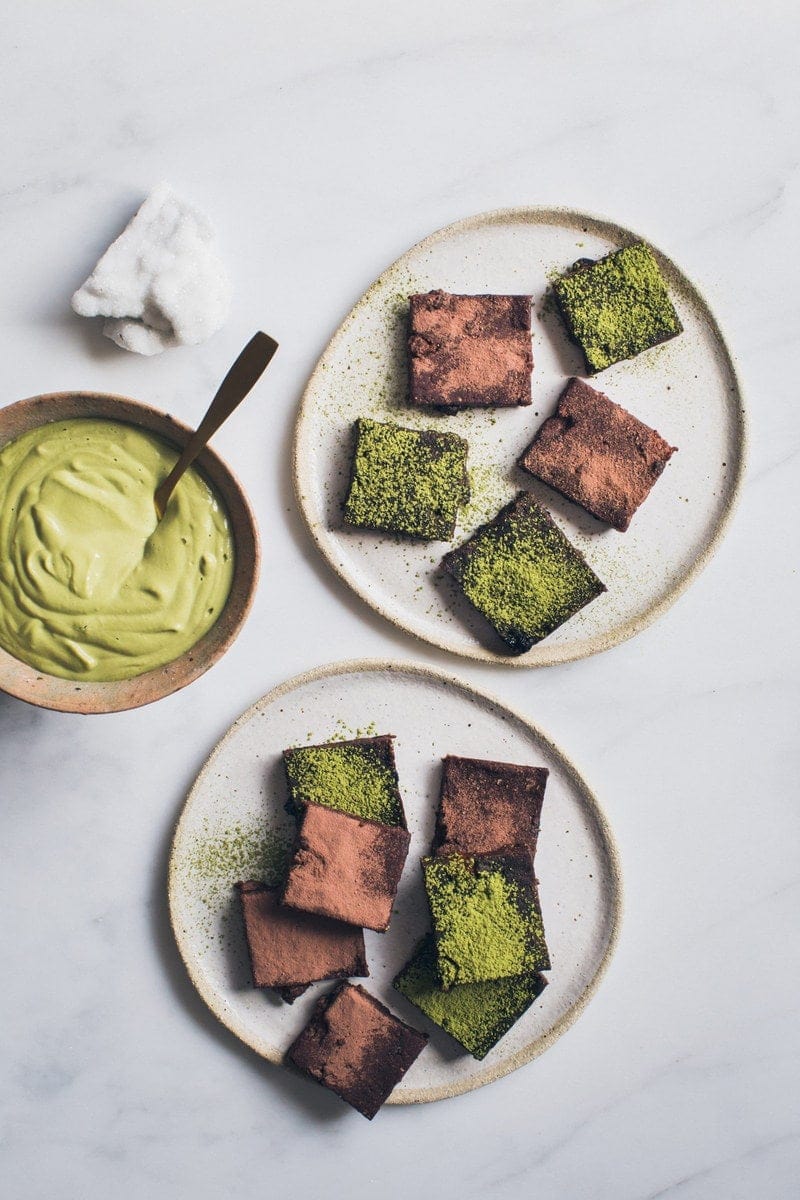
92 586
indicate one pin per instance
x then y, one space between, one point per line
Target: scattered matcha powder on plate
215 861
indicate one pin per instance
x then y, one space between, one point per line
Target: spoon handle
244 373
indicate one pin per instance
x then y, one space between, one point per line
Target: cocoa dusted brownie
356 1047
522 574
290 950
358 777
487 922
470 351
477 1015
598 454
484 805
616 307
409 481
346 868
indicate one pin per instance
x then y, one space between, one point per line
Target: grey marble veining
322 141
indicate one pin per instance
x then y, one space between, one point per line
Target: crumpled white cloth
162 282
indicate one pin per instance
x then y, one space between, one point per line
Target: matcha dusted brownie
356 1047
290 950
477 1015
470 351
486 917
407 481
346 868
522 574
616 307
598 454
484 805
358 777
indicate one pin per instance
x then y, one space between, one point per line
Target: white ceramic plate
686 388
234 821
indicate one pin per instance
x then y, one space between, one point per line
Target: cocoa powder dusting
598 454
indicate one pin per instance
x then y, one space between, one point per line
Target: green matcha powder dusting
216 861
476 1014
407 481
350 778
523 574
486 928
618 307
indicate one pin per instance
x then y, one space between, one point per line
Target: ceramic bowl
68 695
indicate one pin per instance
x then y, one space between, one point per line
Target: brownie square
477 1015
598 454
357 777
346 868
410 481
485 805
522 574
470 351
356 1047
290 950
486 916
616 307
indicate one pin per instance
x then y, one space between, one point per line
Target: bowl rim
25 682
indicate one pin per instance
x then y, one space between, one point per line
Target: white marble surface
323 140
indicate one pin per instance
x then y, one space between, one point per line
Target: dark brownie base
484 805
469 351
356 1047
597 454
345 868
290 950
290 994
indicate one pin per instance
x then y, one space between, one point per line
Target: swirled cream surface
92 586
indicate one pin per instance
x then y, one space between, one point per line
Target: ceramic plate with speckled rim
686 388
234 826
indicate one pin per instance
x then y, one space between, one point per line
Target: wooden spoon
244 373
